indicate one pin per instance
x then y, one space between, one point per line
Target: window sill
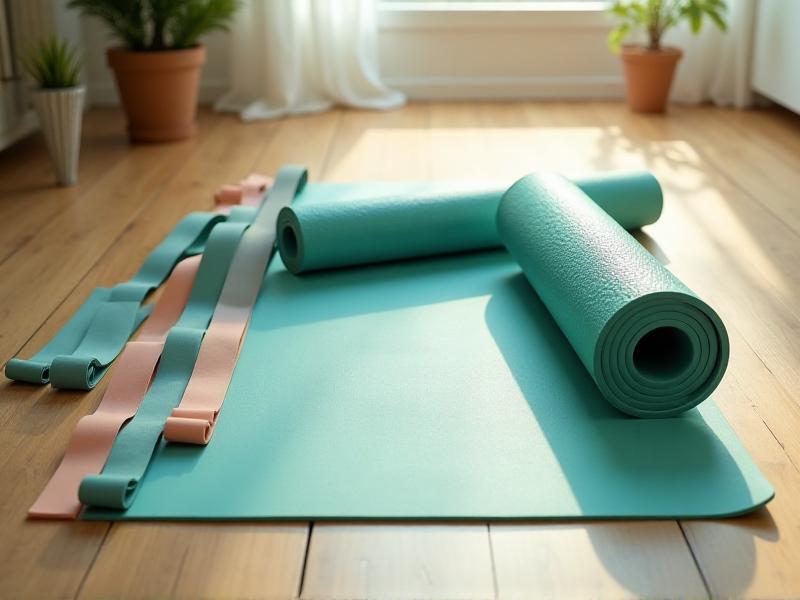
492 15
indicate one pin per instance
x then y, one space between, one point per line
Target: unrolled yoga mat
436 388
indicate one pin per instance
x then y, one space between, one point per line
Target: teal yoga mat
437 388
653 348
425 220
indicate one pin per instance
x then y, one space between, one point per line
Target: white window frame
423 54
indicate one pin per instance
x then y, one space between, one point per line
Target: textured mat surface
653 347
438 388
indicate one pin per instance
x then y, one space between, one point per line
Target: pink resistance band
248 192
193 421
94 435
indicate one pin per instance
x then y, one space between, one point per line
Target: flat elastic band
93 437
79 355
194 420
116 486
94 434
248 192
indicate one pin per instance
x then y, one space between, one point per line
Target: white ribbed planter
60 115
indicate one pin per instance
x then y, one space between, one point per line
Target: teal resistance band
135 445
80 353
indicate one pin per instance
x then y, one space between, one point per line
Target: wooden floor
730 230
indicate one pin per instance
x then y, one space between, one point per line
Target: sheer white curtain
299 56
716 64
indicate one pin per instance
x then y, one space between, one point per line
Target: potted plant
58 100
649 69
157 67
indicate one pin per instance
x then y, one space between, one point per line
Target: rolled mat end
653 348
290 244
661 355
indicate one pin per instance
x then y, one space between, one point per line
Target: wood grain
198 561
30 198
595 560
729 229
398 561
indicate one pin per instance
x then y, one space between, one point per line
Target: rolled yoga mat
653 347
433 221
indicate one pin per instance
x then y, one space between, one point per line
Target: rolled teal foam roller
317 236
653 347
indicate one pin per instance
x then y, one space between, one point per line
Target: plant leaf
53 63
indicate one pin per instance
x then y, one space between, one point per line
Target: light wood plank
398 561
596 560
70 243
303 140
198 561
380 146
770 177
30 198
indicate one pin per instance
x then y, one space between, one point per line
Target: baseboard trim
504 88
27 124
588 87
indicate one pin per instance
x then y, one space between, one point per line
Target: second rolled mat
322 235
653 348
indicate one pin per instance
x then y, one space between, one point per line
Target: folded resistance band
248 192
321 235
132 451
79 355
94 434
652 346
194 419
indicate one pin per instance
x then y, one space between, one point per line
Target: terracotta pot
648 76
158 91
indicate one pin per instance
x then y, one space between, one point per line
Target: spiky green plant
657 16
147 25
53 63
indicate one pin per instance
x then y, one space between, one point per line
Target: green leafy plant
657 16
53 63
147 25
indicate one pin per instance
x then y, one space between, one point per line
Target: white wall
500 53
559 53
776 57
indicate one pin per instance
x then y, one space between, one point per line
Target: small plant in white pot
58 100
